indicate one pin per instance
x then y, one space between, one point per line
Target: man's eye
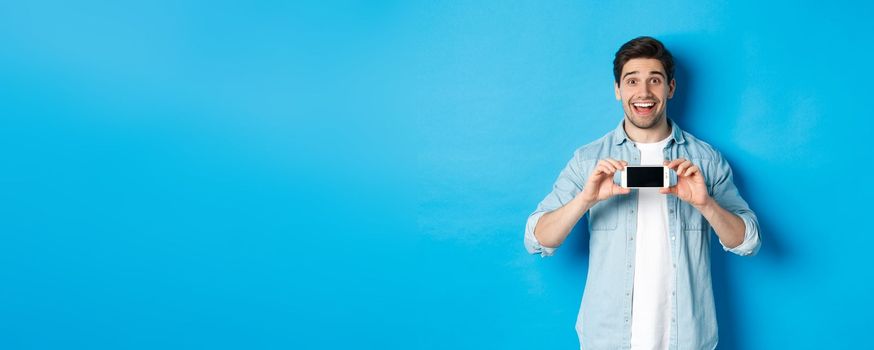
655 81
631 81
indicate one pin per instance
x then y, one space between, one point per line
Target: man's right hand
600 185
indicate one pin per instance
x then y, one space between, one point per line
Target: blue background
212 174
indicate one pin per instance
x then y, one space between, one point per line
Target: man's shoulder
700 149
596 149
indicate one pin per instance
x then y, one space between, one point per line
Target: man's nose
646 90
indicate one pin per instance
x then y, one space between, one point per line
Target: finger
669 190
620 190
602 170
597 172
619 164
614 163
601 166
604 165
689 170
692 170
681 169
673 164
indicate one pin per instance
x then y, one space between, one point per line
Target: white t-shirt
653 277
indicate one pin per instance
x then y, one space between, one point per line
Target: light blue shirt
604 320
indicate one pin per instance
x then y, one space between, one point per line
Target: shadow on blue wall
725 268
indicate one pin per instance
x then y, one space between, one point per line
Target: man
648 285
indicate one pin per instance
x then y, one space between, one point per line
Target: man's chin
645 122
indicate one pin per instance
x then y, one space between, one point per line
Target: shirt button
673 237
672 211
630 238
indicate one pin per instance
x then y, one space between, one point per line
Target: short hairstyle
643 47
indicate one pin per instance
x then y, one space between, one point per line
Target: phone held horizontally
645 176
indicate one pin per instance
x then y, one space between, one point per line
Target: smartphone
645 176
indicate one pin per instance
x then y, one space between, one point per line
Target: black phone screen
646 176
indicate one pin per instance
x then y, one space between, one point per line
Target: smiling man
649 284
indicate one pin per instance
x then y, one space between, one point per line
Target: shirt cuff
531 243
751 243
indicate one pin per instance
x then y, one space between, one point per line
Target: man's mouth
643 108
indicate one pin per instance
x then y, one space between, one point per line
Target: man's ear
671 88
616 91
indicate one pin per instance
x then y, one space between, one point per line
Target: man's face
644 92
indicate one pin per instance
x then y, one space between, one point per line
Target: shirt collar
619 135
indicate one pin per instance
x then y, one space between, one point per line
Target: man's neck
651 135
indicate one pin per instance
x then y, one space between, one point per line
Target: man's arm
729 215
729 228
554 226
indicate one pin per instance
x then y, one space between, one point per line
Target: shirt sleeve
567 186
726 194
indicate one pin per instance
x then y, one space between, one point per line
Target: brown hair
643 47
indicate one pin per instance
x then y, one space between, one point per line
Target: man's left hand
690 186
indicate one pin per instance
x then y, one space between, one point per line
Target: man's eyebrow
650 72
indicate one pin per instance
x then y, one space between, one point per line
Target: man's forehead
646 66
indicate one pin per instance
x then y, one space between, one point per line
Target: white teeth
644 104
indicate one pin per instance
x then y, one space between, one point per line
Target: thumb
670 190
620 190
